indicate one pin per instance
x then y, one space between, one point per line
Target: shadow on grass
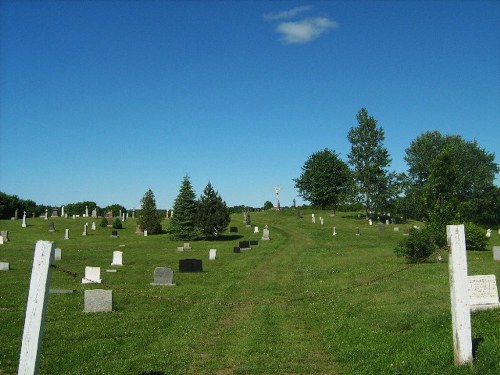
475 345
152 373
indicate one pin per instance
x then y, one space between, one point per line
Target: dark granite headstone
236 249
190 265
233 230
114 233
254 243
244 245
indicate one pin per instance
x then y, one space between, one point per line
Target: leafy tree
104 222
115 209
418 246
369 158
213 215
325 179
268 205
117 223
183 223
149 218
79 207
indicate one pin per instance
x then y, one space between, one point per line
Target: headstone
15 215
358 232
1 240
386 221
114 233
35 308
370 222
256 229
244 245
62 291
66 234
5 235
117 258
313 219
396 229
180 248
62 212
163 276
406 232
54 212
98 300
86 211
52 227
236 249
4 266
24 220
46 214
133 214
92 275
57 254
233 230
460 308
488 233
254 243
145 233
265 234
94 213
187 246
496 252
212 254
190 265
483 292
85 230
321 220
74 217
93 225
334 232
381 228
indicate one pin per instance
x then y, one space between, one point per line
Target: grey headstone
5 235
163 276
98 300
265 235
496 252
57 253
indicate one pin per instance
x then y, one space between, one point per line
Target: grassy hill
305 302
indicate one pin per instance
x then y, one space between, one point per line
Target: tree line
448 180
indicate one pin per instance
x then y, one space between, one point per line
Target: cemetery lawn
305 302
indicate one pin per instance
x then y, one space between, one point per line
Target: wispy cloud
287 14
304 31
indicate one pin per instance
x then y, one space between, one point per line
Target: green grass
305 302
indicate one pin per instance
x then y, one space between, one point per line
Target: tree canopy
212 216
183 222
325 179
149 218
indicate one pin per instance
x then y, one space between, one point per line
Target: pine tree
213 215
149 218
183 223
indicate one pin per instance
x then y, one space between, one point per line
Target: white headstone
46 214
256 229
496 252
180 248
488 233
24 220
145 233
321 220
92 275
85 229
62 212
483 292
370 222
4 266
460 307
212 254
396 229
386 221
66 234
36 307
334 232
313 219
57 253
93 225
265 235
98 300
117 258
1 240
86 211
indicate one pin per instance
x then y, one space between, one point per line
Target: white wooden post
460 307
35 309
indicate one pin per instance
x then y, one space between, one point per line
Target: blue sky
103 100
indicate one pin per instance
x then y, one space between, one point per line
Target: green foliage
418 246
115 209
369 158
10 203
183 223
475 237
117 223
268 205
149 218
104 222
325 179
79 208
212 215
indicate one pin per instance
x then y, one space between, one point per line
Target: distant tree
325 180
79 207
369 159
104 222
183 223
149 218
117 223
268 205
115 209
212 215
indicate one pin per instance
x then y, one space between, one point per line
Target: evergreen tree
212 216
183 223
149 218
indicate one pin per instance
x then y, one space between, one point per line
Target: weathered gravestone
334 232
233 230
93 225
145 233
24 220
396 229
483 292
4 266
236 249
114 234
98 300
254 243
190 265
66 234
54 212
163 276
180 248
57 253
256 229
244 245
265 234
187 246
212 254
85 230
496 252
358 232
1 240
52 227
92 275
117 258
5 235
381 228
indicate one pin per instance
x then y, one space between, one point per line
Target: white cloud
287 14
300 32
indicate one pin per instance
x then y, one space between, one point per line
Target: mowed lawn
305 302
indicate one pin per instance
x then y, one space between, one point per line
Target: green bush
475 237
117 224
418 246
104 222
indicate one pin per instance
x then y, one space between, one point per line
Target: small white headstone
4 266
180 248
1 240
24 220
145 233
93 225
334 232
117 258
57 253
396 229
92 275
387 222
483 292
265 235
85 230
187 245
370 222
212 254
98 300
66 234
321 220
313 219
496 252
488 233
256 229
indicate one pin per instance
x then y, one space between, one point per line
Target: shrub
475 237
418 246
104 222
117 224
